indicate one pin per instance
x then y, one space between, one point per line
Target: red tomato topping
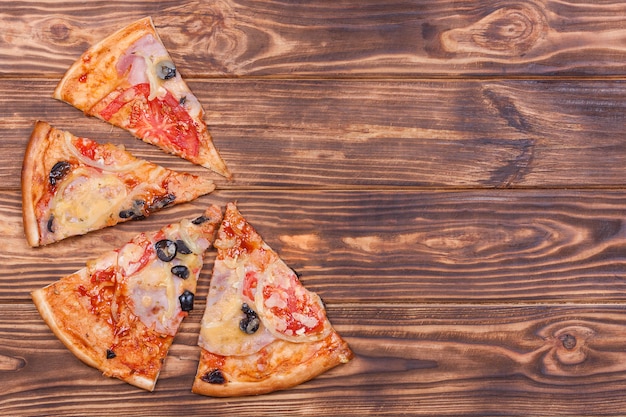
162 119
86 147
101 276
293 298
249 284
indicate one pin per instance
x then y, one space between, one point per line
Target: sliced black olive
166 70
58 171
214 377
165 250
186 300
250 324
110 354
125 214
199 220
180 271
161 201
182 100
50 225
182 247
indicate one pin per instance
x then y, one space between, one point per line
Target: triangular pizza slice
73 185
129 80
120 312
262 330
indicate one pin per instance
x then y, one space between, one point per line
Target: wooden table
448 175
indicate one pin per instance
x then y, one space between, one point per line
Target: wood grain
352 38
337 134
523 360
400 246
448 175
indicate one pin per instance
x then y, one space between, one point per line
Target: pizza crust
33 173
86 351
284 365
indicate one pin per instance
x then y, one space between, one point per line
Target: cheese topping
248 271
141 64
151 288
86 200
220 332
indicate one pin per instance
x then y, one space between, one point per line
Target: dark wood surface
449 176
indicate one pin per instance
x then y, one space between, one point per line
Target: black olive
250 324
135 212
180 271
165 250
125 214
110 354
182 247
161 201
58 171
186 300
199 220
166 70
182 100
50 224
214 377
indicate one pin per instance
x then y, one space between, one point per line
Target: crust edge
340 353
31 166
45 310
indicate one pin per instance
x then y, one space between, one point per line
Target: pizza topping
186 300
199 220
110 354
180 271
50 224
250 324
136 212
165 69
214 377
165 250
290 311
182 247
85 199
58 171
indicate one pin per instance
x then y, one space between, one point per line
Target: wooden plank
332 39
337 134
390 246
410 359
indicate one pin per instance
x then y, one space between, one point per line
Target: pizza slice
129 80
72 185
261 330
120 312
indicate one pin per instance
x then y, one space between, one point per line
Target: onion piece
95 164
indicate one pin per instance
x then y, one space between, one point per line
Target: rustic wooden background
447 175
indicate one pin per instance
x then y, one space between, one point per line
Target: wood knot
510 31
571 348
569 341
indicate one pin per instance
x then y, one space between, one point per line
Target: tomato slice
292 310
162 120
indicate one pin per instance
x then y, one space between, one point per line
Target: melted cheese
154 292
220 332
151 288
86 201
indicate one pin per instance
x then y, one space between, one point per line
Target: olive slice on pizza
262 330
120 312
129 80
73 185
